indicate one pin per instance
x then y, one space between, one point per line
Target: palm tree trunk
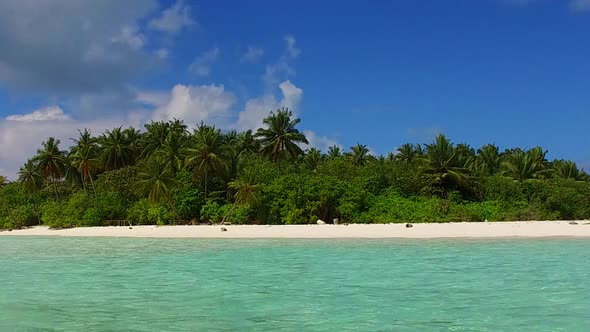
206 180
55 189
94 190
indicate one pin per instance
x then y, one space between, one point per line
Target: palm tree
116 151
207 155
408 153
280 137
334 151
247 143
156 179
173 152
30 177
83 157
51 162
246 193
567 169
488 160
442 161
85 160
359 154
313 158
3 181
155 137
524 165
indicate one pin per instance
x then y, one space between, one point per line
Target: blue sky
382 73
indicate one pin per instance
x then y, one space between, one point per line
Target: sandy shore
447 230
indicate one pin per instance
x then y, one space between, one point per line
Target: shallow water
114 284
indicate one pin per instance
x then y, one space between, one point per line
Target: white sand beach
433 230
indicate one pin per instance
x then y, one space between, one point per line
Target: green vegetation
168 175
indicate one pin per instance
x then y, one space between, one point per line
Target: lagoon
137 284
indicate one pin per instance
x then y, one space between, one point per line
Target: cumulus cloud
173 19
50 113
193 104
71 46
321 143
201 66
252 55
257 109
282 69
22 135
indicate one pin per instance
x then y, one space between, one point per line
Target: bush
212 212
138 212
160 214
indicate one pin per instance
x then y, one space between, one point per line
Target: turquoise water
102 284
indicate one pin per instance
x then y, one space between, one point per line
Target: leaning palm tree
51 161
280 137
156 180
207 155
524 165
442 161
116 150
246 193
359 154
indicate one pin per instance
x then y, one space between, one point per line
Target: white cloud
579 6
292 49
320 142
282 69
252 55
22 135
173 19
193 104
131 37
201 66
67 46
162 53
50 113
424 134
257 109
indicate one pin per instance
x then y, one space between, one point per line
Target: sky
380 73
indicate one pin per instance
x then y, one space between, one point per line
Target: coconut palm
523 165
116 150
567 169
30 177
207 155
247 143
359 154
85 161
408 153
3 181
442 161
246 193
313 158
334 151
280 137
156 179
488 160
51 161
173 152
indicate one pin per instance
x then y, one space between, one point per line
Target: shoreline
511 229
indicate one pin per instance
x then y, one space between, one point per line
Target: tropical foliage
167 174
